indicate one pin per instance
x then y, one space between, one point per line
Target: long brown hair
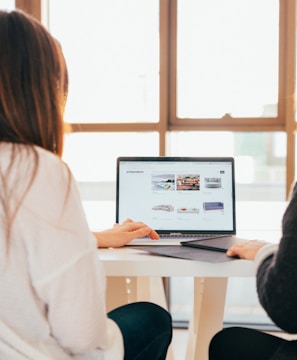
33 90
33 83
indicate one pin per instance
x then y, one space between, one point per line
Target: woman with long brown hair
52 284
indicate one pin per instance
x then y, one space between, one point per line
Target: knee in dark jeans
146 329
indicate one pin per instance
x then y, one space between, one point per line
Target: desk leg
125 290
116 292
208 314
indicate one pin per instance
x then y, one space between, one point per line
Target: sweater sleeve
277 273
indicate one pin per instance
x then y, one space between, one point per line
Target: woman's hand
246 250
121 234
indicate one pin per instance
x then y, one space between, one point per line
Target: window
227 58
260 158
92 158
217 62
186 77
112 51
7 4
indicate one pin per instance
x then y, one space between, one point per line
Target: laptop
187 200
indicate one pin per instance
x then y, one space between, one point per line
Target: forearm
105 239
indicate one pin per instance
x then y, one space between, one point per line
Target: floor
179 343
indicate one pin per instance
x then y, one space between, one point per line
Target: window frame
227 122
168 120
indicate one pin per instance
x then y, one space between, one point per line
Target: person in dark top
276 275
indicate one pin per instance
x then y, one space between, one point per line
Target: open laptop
183 198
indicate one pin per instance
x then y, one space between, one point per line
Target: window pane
7 4
92 158
260 159
112 51
227 60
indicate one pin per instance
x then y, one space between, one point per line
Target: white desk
135 275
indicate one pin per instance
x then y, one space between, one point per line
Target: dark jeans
245 344
146 329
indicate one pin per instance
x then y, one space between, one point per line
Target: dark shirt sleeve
277 275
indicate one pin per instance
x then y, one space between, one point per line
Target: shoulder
31 171
47 183
52 173
49 162
18 160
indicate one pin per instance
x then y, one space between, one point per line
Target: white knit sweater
52 301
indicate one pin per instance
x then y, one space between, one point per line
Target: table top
255 220
131 262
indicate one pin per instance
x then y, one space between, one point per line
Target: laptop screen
177 194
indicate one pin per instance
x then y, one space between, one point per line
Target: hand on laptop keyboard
121 234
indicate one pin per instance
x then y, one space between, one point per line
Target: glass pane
260 159
7 4
112 51
92 158
227 60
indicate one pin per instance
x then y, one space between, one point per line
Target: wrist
99 240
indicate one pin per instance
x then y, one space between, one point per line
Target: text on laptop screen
172 194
